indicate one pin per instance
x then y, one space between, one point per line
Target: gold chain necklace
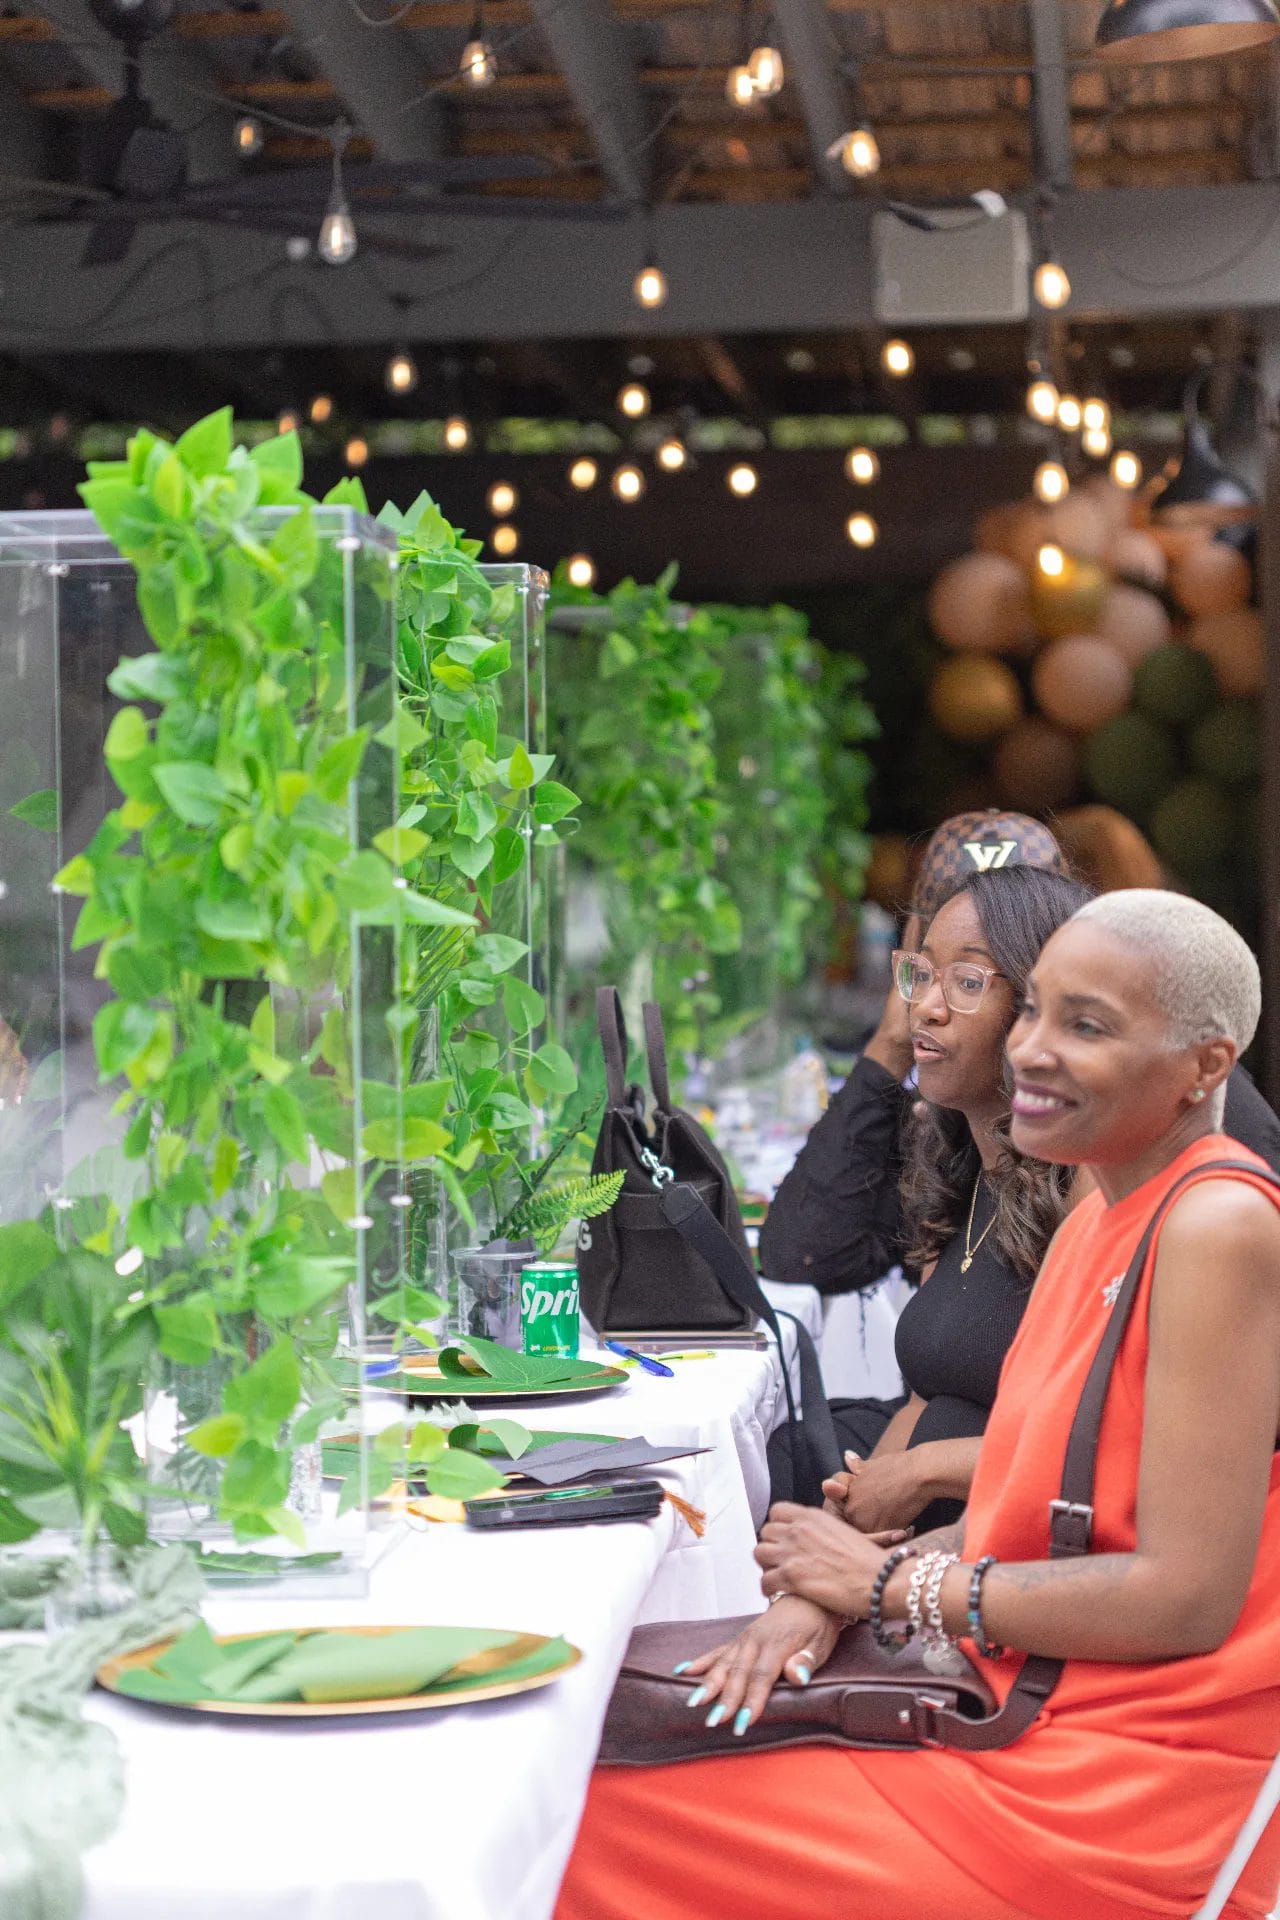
969 1248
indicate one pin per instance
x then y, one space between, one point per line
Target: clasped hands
880 1496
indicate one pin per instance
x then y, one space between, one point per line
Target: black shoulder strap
1071 1514
656 1045
815 1450
613 1042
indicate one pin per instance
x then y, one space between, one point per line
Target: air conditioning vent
971 269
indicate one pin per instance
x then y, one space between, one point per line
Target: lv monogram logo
988 854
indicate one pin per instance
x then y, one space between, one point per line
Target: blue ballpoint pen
641 1359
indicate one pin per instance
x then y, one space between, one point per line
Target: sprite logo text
536 1301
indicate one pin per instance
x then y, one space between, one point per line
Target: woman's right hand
792 1638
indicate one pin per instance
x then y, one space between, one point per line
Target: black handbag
671 1254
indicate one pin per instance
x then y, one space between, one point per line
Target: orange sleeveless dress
1122 1800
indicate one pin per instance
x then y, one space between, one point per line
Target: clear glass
68 613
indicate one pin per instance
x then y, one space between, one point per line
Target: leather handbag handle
613 1042
656 1046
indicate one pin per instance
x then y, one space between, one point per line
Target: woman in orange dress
1124 1797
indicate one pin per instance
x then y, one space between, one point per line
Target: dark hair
1019 908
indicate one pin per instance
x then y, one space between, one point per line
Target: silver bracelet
933 1597
915 1589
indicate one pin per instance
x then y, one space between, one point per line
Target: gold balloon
1069 602
1232 644
1211 578
1135 623
1138 556
1082 682
980 603
1037 766
974 698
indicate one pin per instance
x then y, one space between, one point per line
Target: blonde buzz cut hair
1204 975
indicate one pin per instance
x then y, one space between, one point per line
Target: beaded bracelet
977 1632
888 1638
933 1599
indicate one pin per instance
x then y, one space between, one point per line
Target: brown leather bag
865 1696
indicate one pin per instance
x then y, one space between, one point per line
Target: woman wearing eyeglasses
978 1215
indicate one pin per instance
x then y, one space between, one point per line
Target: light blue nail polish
805 1674
741 1721
717 1714
697 1697
683 1667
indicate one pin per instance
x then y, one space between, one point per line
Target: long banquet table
467 1813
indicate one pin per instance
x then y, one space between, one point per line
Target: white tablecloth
464 1814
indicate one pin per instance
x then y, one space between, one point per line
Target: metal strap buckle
1070 1528
659 1173
921 1717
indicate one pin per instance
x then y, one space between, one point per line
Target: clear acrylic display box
68 613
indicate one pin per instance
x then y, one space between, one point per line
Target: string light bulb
1051 483
1050 285
743 480
858 152
502 499
401 372
740 88
1095 415
356 451
1042 401
337 241
862 530
862 466
581 570
1070 413
504 540
765 67
478 67
1052 561
583 474
457 433
634 400
1096 442
321 409
247 135
673 454
1126 470
287 422
650 285
628 482
897 358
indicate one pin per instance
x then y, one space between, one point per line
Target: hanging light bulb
1070 413
502 499
650 285
740 87
858 152
628 482
581 570
1051 482
1051 285
897 358
1095 415
673 454
1096 442
1042 401
766 70
457 433
504 540
1126 470
477 67
337 242
743 480
356 451
862 466
401 372
287 422
247 135
321 409
862 530
634 400
1052 561
583 474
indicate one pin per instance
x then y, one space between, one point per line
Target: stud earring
1197 1093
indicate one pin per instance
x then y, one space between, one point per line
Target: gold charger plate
518 1648
428 1379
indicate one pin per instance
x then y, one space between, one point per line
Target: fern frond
543 1216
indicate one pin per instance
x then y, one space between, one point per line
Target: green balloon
1194 826
1130 762
1174 684
1227 744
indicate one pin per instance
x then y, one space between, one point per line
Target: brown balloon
1079 526
1232 643
1107 850
1137 555
1082 682
1134 622
974 698
980 603
1069 602
995 530
1115 504
1211 578
1028 530
1037 766
888 875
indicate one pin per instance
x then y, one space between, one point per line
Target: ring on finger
807 1654
781 1594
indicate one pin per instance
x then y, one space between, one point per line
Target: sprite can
549 1308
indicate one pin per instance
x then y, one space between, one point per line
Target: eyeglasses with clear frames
963 983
